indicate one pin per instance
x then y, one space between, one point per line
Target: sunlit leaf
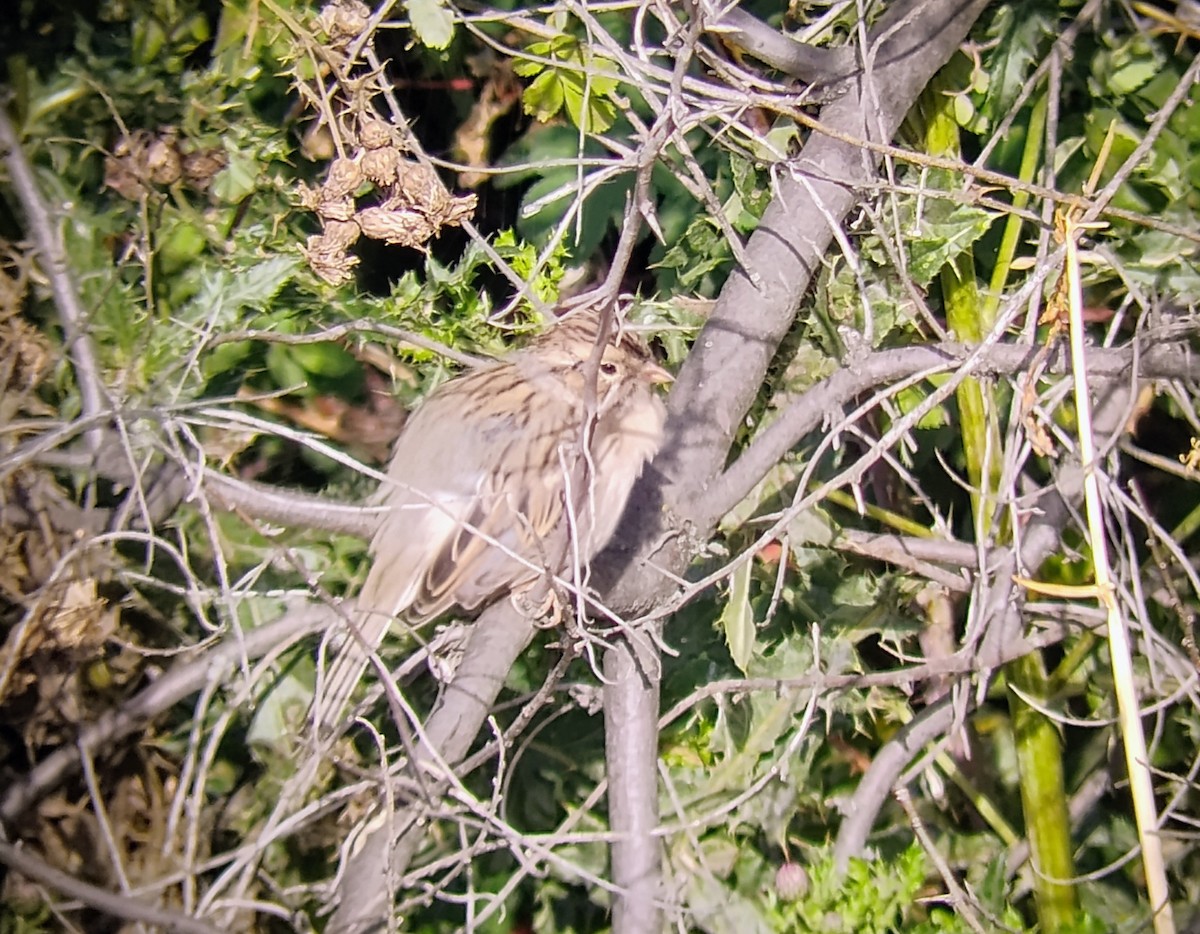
432 21
737 619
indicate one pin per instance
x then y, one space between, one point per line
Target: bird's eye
608 369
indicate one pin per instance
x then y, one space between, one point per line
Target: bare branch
118 906
382 855
1154 359
183 680
50 248
996 630
719 381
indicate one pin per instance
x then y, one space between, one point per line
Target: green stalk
970 320
1039 750
1030 159
984 806
1043 798
887 517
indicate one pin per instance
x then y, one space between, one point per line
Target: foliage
573 82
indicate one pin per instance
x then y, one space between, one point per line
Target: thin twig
118 906
48 239
1137 759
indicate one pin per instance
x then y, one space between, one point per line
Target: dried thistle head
344 20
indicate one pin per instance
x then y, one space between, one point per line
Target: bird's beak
657 374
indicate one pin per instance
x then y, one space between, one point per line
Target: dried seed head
162 161
458 209
201 166
339 209
125 170
374 134
381 165
344 20
343 179
328 261
418 185
310 198
404 227
341 234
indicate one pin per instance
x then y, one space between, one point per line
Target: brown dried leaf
472 141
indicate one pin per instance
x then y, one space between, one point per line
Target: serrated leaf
947 231
737 619
528 69
225 293
432 21
747 183
585 103
544 97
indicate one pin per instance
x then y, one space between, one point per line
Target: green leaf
572 82
285 369
276 716
737 619
239 178
544 97
226 292
432 21
701 250
947 230
528 69
1132 76
325 359
585 103
912 396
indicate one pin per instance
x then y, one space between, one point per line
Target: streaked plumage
479 482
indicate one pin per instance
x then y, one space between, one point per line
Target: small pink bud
791 882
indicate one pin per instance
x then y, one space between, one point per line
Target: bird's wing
409 534
508 540
458 530
476 499
514 529
428 498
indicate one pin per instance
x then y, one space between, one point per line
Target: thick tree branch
383 854
809 63
808 411
728 362
716 387
1154 357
